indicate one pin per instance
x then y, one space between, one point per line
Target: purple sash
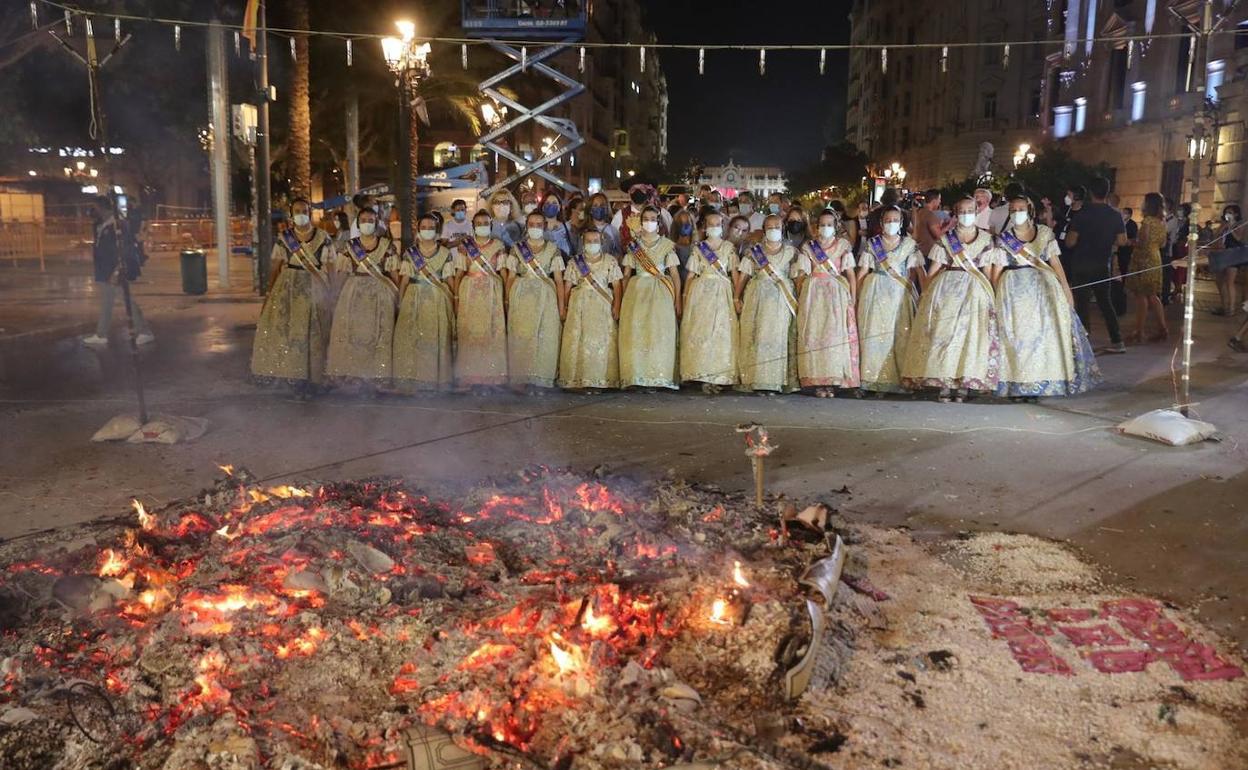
711 257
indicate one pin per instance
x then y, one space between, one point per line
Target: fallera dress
708 326
1146 256
294 324
767 353
362 337
887 301
481 324
827 325
589 356
954 343
648 318
1044 347
425 330
533 326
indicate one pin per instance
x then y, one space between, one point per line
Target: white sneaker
146 338
95 340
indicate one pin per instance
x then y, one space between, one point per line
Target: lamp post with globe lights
409 61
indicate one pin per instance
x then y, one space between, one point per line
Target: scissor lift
553 26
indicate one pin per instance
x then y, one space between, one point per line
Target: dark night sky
783 118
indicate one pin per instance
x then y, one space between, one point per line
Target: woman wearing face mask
953 344
650 309
481 320
767 349
426 325
1144 283
889 266
1229 235
508 224
627 221
528 202
796 227
599 220
535 297
708 330
293 329
827 327
574 213
361 339
1044 348
589 356
557 231
683 235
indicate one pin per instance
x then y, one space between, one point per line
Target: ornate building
733 179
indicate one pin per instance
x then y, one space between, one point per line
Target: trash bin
194 271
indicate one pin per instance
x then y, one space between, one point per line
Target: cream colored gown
886 307
481 326
953 343
708 326
293 329
768 346
827 326
533 326
648 322
589 356
425 330
362 338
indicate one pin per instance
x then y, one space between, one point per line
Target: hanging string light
884 60
293 55
177 37
762 61
701 60
34 15
1005 57
581 62
944 59
641 57
823 60
349 52
463 55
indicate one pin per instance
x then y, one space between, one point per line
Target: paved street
1169 521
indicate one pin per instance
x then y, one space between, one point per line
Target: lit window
445 154
1138 92
1081 114
1214 77
479 152
1061 121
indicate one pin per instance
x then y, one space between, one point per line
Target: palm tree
299 146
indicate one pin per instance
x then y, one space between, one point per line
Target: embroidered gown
362 337
533 326
648 321
827 326
426 327
767 352
293 329
589 356
481 324
953 342
1044 347
886 307
708 326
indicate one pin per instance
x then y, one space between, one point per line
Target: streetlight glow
392 51
407 29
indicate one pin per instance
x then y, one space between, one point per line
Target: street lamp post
409 61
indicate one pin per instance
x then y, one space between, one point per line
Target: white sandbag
119 428
164 429
1168 427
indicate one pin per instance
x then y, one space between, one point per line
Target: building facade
1088 88
732 179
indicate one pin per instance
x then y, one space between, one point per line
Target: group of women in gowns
985 315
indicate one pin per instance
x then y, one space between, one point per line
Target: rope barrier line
285 32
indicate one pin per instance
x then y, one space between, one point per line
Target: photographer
114 250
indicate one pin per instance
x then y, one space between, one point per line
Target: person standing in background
600 221
1145 264
983 210
928 227
1118 289
1075 196
999 216
113 251
458 226
1092 234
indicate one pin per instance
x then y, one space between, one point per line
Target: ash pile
545 620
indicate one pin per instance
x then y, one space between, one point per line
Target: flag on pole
250 19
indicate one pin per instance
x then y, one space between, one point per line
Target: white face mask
302 220
966 220
481 231
1020 217
1067 200
502 211
650 227
1228 217
368 228
529 208
746 208
428 235
536 234
593 249
892 228
718 231
775 235
827 232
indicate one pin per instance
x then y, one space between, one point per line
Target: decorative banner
177 38
69 24
580 65
34 15
117 31
1130 52
701 59
823 60
884 60
524 58
762 61
1005 57
641 57
944 59
348 52
90 29
238 46
463 55
293 57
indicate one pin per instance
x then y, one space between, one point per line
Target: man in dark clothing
111 255
1124 261
1092 235
1075 196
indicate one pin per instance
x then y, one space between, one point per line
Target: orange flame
566 661
228 470
114 565
719 612
147 522
303 645
596 625
738 576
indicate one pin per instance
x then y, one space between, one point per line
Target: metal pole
352 172
405 166
264 204
219 100
1189 294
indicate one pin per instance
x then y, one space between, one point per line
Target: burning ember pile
551 620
